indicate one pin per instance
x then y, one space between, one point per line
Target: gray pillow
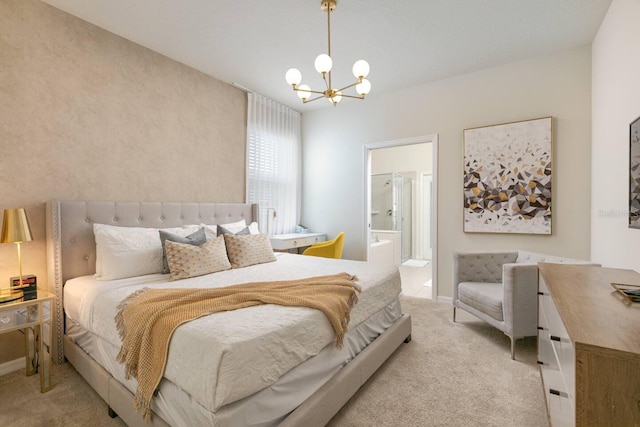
196 238
223 231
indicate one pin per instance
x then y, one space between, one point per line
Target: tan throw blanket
147 318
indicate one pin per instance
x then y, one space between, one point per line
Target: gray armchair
501 288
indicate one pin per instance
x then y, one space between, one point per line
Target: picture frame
507 177
630 292
634 174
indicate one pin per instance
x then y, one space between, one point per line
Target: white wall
616 103
557 85
414 157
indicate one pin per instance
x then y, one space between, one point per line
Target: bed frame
71 252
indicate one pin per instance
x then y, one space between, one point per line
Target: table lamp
15 229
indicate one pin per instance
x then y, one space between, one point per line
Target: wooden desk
295 241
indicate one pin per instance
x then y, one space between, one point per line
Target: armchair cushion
485 297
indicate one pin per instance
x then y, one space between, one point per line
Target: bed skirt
371 343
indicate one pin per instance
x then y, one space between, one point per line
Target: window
273 163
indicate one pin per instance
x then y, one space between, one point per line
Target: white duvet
224 357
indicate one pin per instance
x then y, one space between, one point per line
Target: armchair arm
520 302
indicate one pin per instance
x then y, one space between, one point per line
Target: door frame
424 178
367 148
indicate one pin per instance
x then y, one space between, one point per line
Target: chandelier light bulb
361 69
323 63
293 76
304 92
336 98
364 87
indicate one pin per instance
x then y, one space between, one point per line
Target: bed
306 385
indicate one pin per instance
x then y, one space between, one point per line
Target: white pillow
253 228
130 251
211 231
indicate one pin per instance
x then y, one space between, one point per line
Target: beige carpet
451 374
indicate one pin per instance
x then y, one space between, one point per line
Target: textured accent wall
86 114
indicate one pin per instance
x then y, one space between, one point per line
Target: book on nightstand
31 290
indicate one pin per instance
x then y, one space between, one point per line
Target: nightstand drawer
19 317
8 319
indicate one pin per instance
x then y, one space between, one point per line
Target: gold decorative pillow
186 260
249 249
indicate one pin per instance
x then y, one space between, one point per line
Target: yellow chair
328 249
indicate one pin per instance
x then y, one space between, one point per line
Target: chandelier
323 66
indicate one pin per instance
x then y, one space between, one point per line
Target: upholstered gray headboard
71 247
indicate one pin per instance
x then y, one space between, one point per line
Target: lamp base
10 296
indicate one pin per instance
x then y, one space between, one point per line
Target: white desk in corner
287 242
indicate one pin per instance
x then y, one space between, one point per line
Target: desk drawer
314 239
295 241
300 242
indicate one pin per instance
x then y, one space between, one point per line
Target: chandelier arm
353 96
347 87
309 90
313 99
327 83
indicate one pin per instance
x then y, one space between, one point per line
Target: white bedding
245 350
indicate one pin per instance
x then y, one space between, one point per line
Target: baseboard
12 366
448 300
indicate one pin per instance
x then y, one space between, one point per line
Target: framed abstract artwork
507 178
634 174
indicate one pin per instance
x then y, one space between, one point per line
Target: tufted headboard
71 247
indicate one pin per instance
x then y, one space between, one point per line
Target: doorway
401 177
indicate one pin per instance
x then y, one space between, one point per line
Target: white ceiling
407 42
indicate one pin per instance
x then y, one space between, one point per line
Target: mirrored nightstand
34 318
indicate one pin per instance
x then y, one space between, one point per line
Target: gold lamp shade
15 229
15 226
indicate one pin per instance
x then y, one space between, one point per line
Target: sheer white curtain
273 163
